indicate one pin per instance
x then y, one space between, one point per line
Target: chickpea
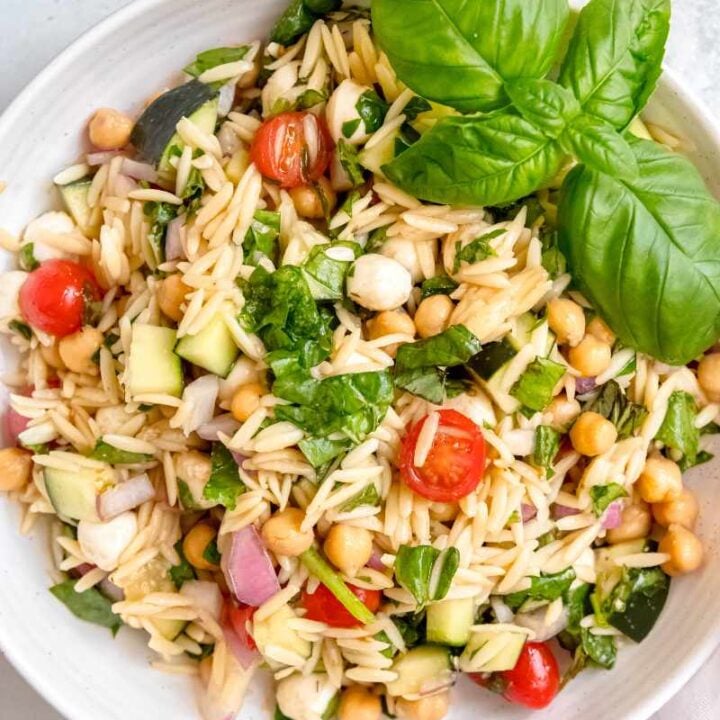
433 314
443 512
562 412
708 374
246 400
110 129
348 548
314 201
51 356
683 547
660 480
16 467
237 165
635 523
592 434
599 328
283 535
77 350
682 510
196 543
357 703
434 707
590 357
193 467
205 669
390 322
567 320
171 295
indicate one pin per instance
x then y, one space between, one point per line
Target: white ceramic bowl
78 667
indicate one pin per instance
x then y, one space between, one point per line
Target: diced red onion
124 185
248 568
15 423
228 139
199 397
173 239
613 516
79 570
375 561
100 158
205 596
561 511
527 512
239 458
125 496
111 590
225 424
139 170
239 649
584 385
226 98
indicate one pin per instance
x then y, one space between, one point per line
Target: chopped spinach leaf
90 605
367 496
535 387
325 274
212 554
415 107
349 127
261 238
224 486
159 215
599 648
309 98
193 192
320 451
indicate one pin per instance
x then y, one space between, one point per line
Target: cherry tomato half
239 617
323 606
55 296
456 461
533 682
293 148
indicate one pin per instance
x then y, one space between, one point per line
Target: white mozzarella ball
379 283
342 113
305 698
104 542
52 223
10 284
405 252
475 406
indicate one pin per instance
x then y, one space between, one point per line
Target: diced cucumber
374 158
493 650
449 621
154 577
521 334
74 493
75 197
274 630
421 670
213 348
205 118
153 367
492 358
115 456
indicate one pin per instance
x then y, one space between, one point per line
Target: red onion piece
225 424
79 570
124 185
613 516
125 496
239 649
173 240
100 158
15 423
375 562
248 568
584 385
139 170
561 511
239 458
111 590
527 512
199 399
205 595
226 98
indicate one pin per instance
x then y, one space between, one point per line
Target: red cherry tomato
533 682
293 148
54 297
323 606
239 618
456 461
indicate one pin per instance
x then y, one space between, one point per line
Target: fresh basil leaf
544 103
320 451
349 127
372 109
183 570
459 53
224 486
261 238
193 192
542 588
612 403
438 285
603 495
211 553
299 18
90 605
415 107
615 57
410 627
554 262
476 250
326 275
309 98
535 387
425 572
599 648
597 144
26 257
159 215
443 573
432 383
110 454
187 500
367 496
678 429
547 445
348 157
577 601
21 328
644 252
212 58
477 160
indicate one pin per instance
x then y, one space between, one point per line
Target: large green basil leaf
459 53
544 103
646 252
477 160
615 56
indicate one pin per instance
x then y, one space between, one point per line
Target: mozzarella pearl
379 283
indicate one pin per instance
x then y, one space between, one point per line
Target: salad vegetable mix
373 356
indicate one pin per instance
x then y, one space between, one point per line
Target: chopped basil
678 429
613 404
476 250
224 486
438 285
115 456
211 553
348 157
26 257
326 275
90 605
349 127
542 587
426 572
209 59
367 496
547 444
535 387
416 106
372 109
183 570
603 495
159 215
20 328
261 238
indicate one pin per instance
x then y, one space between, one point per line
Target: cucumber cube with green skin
74 493
449 622
153 366
204 118
213 348
492 650
421 670
75 198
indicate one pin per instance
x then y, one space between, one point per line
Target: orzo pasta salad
371 356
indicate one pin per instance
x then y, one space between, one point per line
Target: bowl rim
61 701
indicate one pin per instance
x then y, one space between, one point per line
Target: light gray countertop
32 32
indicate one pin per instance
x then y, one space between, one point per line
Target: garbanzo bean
51 356
684 548
357 703
110 129
77 350
433 314
590 357
246 400
682 510
16 467
599 328
567 320
282 533
660 480
390 322
348 548
592 434
434 707
314 201
635 523
171 294
196 543
708 374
